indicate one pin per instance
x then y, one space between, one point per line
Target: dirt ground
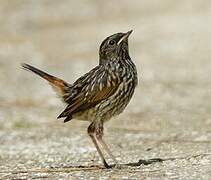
168 119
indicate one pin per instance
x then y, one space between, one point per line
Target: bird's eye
111 42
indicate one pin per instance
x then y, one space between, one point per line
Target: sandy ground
169 118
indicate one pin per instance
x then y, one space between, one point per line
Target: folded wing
89 90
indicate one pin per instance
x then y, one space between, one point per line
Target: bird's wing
94 87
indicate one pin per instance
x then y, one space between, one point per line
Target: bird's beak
125 36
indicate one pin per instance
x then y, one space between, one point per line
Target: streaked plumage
101 93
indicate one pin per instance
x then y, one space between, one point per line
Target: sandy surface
169 117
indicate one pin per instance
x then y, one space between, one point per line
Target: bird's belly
115 104
86 115
103 111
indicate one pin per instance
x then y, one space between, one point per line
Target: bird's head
114 46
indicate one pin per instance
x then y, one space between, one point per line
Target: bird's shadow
123 165
144 162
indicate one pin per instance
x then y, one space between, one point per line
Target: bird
101 93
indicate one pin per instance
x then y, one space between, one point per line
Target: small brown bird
101 93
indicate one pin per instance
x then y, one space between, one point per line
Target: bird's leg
99 136
92 133
104 145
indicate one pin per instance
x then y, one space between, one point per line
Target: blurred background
170 113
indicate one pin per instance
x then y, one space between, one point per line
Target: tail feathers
58 85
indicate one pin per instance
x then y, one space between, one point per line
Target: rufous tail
58 85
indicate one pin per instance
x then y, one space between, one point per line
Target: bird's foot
106 165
